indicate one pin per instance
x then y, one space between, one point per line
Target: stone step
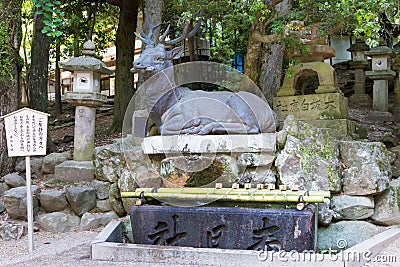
74 171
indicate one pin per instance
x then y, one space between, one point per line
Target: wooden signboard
26 132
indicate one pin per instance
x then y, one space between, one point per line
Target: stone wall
58 206
362 177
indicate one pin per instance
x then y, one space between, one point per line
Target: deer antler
147 38
184 34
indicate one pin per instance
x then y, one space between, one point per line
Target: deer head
155 57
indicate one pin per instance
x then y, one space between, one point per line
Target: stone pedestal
359 64
360 98
381 73
84 133
380 95
312 107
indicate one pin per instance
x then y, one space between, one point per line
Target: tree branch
267 39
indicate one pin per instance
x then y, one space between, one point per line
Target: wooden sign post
26 132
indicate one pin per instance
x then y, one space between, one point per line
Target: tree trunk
153 10
272 59
125 42
57 87
10 93
39 72
191 40
271 70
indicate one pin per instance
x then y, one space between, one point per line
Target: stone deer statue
185 111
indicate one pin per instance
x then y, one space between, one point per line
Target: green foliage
52 16
5 51
361 18
226 23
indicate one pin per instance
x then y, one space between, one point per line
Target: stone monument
86 97
359 64
324 107
209 140
381 72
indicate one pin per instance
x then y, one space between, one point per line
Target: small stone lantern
359 64
396 104
380 73
86 97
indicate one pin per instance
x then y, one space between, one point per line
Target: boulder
115 200
58 222
352 207
3 188
13 180
2 207
11 230
107 161
137 169
53 200
103 205
368 168
127 229
310 157
194 171
260 175
396 151
81 199
91 221
15 201
254 160
387 205
345 234
54 159
325 214
102 189
36 166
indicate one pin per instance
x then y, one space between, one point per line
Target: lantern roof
86 62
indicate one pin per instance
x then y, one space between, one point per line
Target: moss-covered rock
310 157
387 205
367 167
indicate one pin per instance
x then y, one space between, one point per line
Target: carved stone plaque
226 228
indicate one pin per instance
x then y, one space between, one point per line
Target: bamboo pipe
225 191
283 197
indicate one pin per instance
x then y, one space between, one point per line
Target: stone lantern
380 73
86 97
359 64
396 104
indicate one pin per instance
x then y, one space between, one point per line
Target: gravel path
52 249
73 249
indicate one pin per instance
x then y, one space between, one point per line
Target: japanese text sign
26 132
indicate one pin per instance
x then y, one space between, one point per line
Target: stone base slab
312 107
380 116
177 144
360 100
74 171
108 246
